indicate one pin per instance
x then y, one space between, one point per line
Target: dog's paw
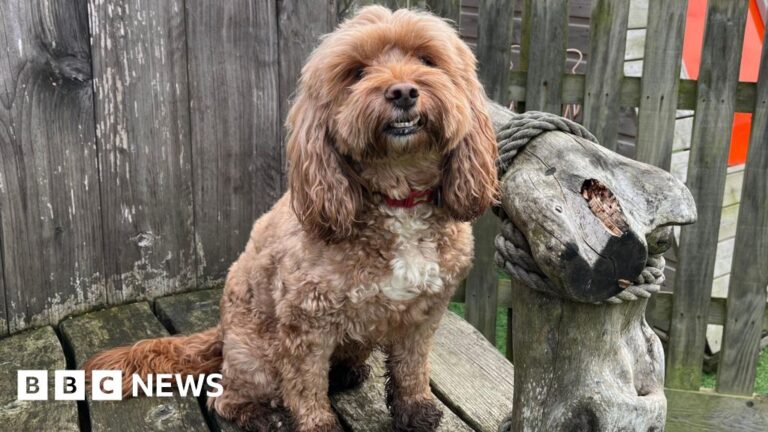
343 377
422 416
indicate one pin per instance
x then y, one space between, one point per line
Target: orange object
750 63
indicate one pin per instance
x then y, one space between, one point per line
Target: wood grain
189 312
87 334
33 350
449 9
749 274
234 109
544 43
493 54
50 223
709 412
142 125
608 35
470 375
482 281
493 51
706 180
572 90
661 72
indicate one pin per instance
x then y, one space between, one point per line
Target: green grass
707 380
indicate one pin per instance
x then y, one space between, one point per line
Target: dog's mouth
405 126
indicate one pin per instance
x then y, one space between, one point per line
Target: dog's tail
199 353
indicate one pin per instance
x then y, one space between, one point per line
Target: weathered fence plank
749 274
608 35
494 52
3 292
706 179
449 9
235 125
482 282
50 223
142 125
659 86
300 24
573 91
706 411
88 334
546 29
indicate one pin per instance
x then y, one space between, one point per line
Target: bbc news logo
107 385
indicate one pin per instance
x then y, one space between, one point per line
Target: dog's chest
415 266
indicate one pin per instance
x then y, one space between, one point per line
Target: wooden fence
540 82
140 139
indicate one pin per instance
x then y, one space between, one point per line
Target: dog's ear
324 197
470 185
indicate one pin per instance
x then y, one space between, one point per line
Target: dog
391 153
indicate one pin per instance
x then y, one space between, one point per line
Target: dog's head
388 85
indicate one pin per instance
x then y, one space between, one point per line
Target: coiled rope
513 253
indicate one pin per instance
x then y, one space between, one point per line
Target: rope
513 254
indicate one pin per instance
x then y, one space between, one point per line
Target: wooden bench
471 379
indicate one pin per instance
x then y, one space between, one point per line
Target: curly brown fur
199 353
333 271
422 416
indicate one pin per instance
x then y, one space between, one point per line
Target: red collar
413 199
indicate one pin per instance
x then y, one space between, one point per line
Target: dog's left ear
470 185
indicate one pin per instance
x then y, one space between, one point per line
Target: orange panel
750 64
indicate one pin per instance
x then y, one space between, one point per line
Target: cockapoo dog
391 152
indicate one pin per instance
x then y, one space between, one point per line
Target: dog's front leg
409 397
304 381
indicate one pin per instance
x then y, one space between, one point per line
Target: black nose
402 95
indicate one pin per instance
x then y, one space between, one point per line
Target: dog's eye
426 61
359 73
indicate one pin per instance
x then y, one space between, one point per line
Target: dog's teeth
406 124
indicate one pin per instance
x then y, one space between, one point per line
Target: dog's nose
402 95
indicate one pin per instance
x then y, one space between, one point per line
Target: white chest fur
416 266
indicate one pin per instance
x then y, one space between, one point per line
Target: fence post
493 54
450 9
716 99
544 40
749 275
608 36
661 78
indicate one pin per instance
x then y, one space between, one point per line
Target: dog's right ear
324 197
